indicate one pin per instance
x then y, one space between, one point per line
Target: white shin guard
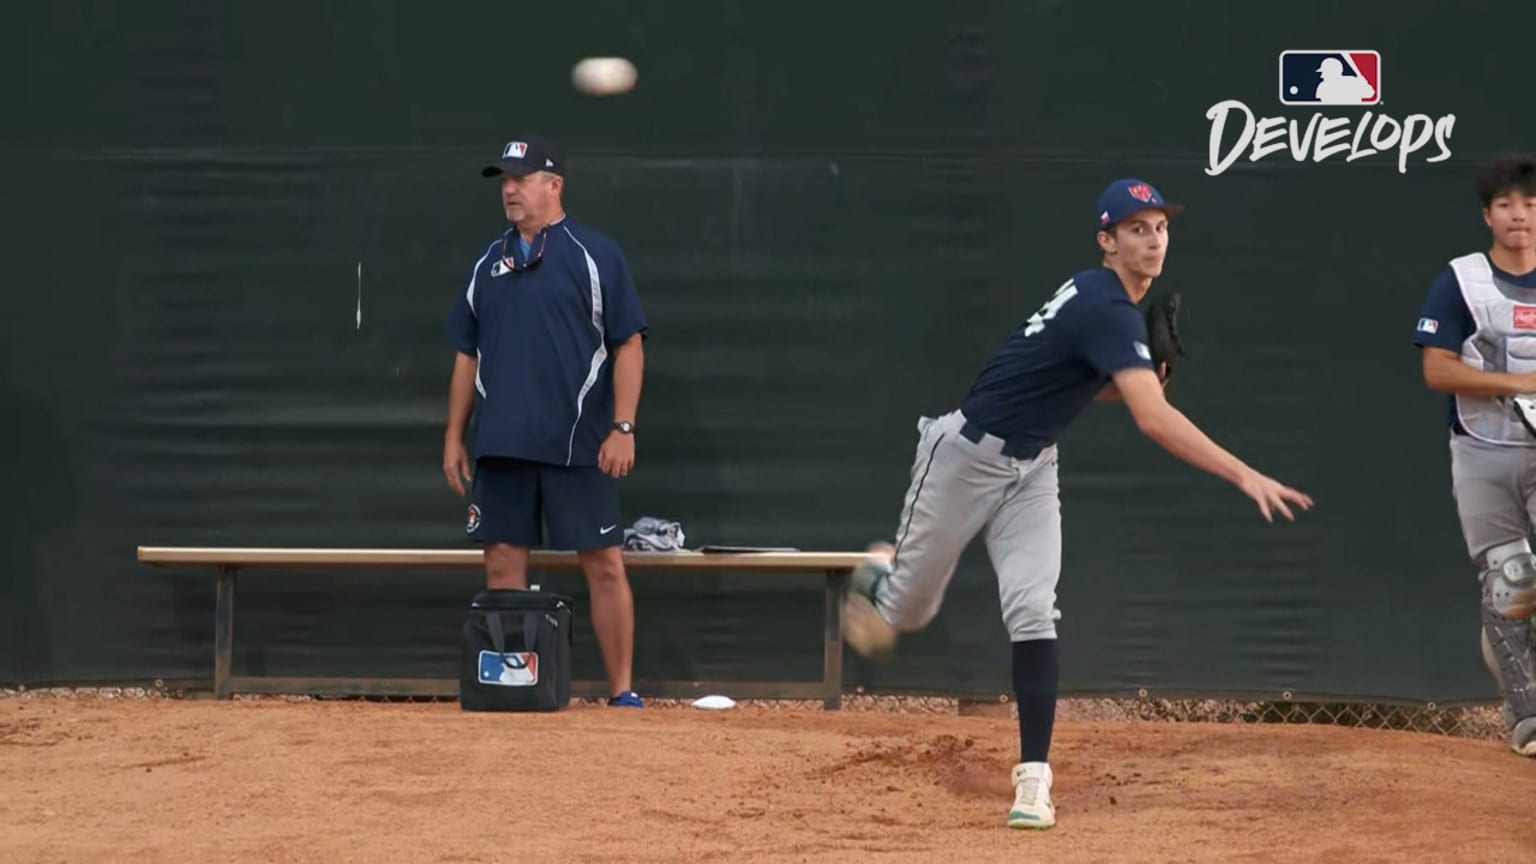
1509 646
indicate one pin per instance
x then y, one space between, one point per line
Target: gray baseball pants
1495 491
960 489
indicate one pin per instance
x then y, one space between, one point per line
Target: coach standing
549 333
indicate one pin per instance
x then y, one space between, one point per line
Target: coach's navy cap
525 156
1121 198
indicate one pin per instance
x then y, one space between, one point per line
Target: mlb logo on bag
1330 77
513 669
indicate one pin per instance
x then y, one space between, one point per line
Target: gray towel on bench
650 534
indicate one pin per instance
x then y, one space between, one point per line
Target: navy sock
1036 673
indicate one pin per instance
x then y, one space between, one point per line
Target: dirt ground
151 780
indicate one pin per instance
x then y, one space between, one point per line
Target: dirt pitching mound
163 780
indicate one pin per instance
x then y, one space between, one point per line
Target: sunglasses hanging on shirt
536 252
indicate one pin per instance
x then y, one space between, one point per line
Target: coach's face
1512 218
1140 242
531 198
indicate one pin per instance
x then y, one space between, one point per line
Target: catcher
990 467
1475 331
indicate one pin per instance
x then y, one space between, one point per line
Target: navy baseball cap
525 156
1123 197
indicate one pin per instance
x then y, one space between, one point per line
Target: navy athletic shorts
514 500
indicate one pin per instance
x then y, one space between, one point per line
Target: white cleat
864 628
1522 738
1032 807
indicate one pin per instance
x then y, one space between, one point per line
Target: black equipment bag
516 652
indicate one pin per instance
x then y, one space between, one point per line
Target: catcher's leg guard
1509 647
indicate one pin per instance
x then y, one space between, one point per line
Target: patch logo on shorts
473 521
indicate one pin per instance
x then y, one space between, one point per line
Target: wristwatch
625 426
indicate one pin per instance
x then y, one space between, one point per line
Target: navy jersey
543 329
1446 322
1058 360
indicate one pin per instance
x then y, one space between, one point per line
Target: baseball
604 76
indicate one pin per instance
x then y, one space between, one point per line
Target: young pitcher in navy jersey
548 332
989 468
1477 336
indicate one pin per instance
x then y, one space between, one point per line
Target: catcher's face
531 198
1512 218
1139 243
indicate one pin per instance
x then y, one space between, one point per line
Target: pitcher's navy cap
526 156
1121 198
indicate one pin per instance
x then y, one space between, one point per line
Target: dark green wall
834 213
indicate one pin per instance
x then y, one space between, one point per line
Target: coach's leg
954 487
506 566
613 615
1024 543
1494 504
504 517
581 505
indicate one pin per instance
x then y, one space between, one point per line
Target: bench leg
224 632
832 656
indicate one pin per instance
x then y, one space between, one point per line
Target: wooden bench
228 562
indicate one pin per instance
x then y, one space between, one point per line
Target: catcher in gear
990 467
1475 332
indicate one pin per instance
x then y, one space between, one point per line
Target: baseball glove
1163 331
1525 410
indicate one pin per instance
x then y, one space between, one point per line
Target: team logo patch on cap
514 150
1141 192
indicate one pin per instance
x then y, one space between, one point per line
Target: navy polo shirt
1446 322
1053 365
543 326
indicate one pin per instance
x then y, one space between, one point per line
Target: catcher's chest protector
516 652
1505 341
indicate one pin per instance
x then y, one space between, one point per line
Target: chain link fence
1480 722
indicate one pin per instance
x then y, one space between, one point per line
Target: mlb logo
1429 325
1525 317
1330 77
514 150
513 669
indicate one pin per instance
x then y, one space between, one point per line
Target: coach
549 333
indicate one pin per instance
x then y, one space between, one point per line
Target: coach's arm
1142 393
461 403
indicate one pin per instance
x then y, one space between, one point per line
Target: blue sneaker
626 699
